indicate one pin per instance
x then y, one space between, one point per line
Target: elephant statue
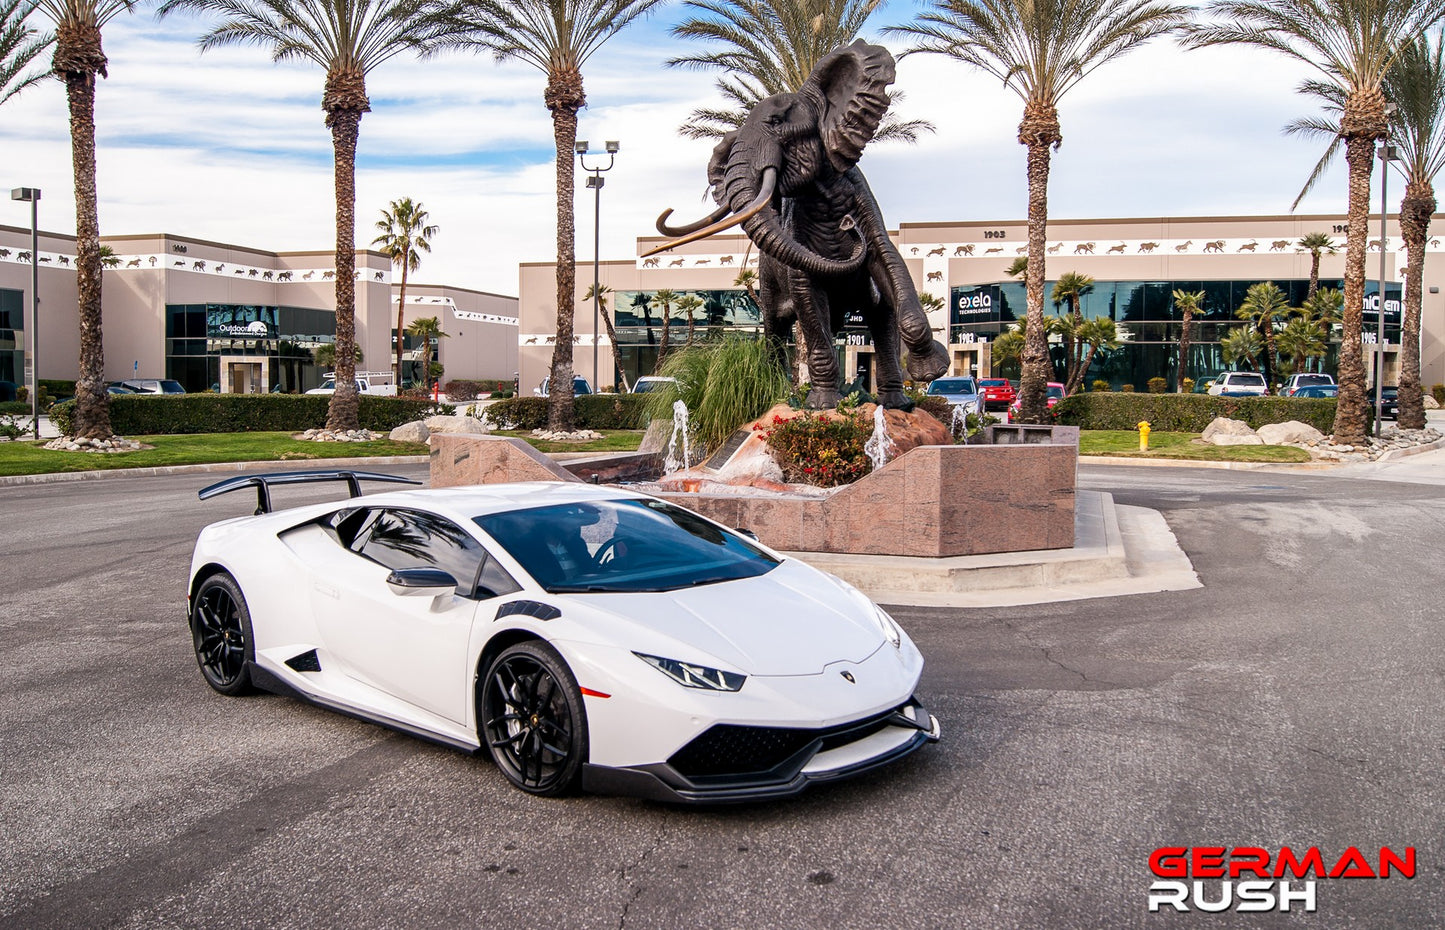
789 176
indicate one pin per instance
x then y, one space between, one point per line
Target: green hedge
593 411
1189 413
147 415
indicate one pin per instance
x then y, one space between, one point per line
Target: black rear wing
263 482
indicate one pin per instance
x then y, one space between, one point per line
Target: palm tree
1353 44
1039 49
690 305
1094 335
20 45
1242 345
1187 303
1417 87
599 293
1317 244
1069 290
1300 340
765 48
325 355
557 37
1264 304
347 38
426 329
1007 348
403 235
663 301
1325 308
77 60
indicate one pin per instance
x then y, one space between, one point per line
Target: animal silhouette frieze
935 276
1147 247
938 252
1279 245
1184 246
1249 246
1216 246
1084 248
1117 249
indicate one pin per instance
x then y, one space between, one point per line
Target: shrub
12 429
1099 385
154 415
1126 388
1438 390
464 389
56 387
1158 385
724 383
593 411
21 407
1190 413
1188 386
822 451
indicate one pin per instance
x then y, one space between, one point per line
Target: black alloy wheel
221 632
533 721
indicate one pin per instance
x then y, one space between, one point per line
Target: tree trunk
616 349
564 97
1415 212
1361 124
343 413
78 59
666 339
1039 130
1314 273
400 319
1184 350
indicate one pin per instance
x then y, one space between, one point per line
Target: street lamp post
595 183
1387 155
31 195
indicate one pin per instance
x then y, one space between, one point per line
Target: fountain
958 424
879 446
670 463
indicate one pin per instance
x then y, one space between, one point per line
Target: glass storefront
638 318
1149 325
250 340
12 336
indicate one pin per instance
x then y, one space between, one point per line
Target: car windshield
623 546
656 384
1314 379
1055 391
953 386
1245 377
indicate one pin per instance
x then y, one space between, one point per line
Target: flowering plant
822 451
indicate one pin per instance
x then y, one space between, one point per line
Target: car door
414 648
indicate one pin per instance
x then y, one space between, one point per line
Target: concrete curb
163 470
1394 454
1189 463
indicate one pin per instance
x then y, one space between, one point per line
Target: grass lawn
28 458
1125 443
613 440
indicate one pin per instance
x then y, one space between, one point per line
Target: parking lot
1292 701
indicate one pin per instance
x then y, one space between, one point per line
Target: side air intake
305 662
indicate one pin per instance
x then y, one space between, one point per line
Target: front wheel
533 720
221 633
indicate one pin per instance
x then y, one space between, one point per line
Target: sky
229 147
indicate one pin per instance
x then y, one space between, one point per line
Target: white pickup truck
380 383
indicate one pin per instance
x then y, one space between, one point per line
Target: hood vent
528 609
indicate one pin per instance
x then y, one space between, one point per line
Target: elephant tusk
667 230
765 195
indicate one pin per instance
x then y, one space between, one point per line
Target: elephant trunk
769 235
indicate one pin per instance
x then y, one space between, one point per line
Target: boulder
1291 432
456 424
1223 431
1430 402
750 467
415 431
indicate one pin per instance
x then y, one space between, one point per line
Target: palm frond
20 45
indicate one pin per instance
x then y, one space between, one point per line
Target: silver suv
1239 382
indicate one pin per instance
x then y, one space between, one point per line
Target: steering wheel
610 551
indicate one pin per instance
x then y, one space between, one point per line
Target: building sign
974 305
241 323
1370 306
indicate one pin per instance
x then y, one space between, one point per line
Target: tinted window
1244 378
994 382
613 546
952 386
409 539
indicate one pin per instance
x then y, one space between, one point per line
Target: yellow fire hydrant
1143 435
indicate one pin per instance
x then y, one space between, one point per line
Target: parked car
380 383
581 636
1317 390
1307 379
958 391
998 393
648 383
1239 384
580 386
1055 393
153 386
1389 403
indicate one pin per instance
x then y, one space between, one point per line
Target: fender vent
528 609
305 662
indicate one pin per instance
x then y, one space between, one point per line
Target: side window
409 539
495 581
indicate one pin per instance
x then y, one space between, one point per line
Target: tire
532 719
221 635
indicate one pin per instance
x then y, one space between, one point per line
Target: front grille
727 750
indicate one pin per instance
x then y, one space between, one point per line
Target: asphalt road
1294 700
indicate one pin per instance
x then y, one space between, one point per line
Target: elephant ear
717 166
849 91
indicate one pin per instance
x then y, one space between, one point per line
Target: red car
998 393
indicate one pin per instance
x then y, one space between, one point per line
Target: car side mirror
421 582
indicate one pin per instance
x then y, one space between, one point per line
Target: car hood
794 620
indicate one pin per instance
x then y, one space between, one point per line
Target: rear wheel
221 633
532 719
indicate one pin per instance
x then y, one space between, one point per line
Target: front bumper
761 763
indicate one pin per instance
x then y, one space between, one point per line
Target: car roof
470 501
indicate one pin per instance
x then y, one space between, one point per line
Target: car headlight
695 676
890 629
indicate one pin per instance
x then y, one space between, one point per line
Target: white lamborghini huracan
585 636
